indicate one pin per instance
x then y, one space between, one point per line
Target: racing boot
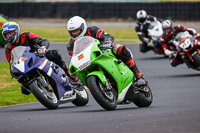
66 69
144 47
139 79
74 81
131 64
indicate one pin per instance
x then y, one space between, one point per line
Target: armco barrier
93 10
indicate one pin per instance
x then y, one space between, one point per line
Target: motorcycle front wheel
105 98
196 58
44 96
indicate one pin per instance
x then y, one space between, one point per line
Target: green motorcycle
110 81
3 20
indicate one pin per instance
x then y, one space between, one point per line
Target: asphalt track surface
175 108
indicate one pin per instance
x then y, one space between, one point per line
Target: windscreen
82 43
182 36
17 53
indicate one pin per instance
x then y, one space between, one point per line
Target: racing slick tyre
106 98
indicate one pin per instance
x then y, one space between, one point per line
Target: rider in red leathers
169 33
77 28
11 34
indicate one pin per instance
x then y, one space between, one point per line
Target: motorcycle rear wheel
102 97
45 97
144 97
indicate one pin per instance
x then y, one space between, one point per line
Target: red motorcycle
188 49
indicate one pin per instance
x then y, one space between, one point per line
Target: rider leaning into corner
11 33
77 28
141 28
169 32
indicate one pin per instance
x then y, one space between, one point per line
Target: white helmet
141 15
76 23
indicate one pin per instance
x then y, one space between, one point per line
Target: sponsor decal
25 58
80 57
6 28
41 63
84 65
71 28
1 24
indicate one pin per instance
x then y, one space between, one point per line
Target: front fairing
82 56
23 62
155 30
183 41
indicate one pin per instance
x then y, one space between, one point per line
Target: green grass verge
10 91
56 34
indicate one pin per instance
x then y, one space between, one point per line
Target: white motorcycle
155 32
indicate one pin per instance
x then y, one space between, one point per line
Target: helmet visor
167 29
142 20
75 33
9 35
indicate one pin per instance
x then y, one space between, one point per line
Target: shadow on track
43 109
180 76
116 110
153 58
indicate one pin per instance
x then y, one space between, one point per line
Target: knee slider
53 54
56 53
125 52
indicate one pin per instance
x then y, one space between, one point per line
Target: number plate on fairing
185 44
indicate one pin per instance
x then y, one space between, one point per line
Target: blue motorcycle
46 80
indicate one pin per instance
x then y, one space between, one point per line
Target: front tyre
144 96
104 97
196 58
44 96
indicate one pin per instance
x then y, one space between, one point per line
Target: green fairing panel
120 72
122 75
2 21
100 75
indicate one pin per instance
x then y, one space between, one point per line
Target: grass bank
57 34
10 91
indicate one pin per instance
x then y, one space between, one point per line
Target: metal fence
101 10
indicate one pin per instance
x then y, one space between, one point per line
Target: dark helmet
141 16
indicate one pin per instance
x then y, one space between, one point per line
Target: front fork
100 74
188 58
45 82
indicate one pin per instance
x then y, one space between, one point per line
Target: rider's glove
106 45
168 52
42 51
